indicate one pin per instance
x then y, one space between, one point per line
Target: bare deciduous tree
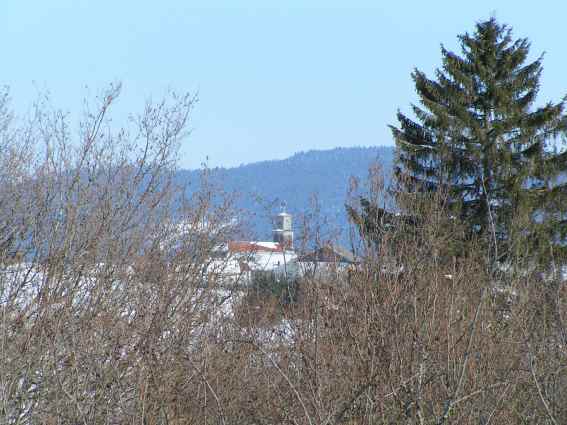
109 311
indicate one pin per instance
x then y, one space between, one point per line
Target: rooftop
253 246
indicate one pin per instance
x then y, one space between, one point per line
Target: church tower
283 233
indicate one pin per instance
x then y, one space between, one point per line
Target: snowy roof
253 247
329 254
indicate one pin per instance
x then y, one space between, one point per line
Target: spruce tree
478 136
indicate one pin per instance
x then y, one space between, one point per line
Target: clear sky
273 78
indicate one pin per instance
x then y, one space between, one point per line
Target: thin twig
542 398
453 401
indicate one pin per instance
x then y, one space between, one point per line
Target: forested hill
263 186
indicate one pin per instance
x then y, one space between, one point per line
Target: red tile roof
251 247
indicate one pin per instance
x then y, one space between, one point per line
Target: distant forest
262 187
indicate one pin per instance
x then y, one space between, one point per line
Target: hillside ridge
263 186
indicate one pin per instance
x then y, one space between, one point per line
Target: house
327 259
329 253
236 262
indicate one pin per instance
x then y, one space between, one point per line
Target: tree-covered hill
263 186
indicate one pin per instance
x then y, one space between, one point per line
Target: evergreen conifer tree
478 136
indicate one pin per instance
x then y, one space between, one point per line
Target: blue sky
273 78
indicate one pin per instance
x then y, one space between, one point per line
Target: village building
325 260
237 262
